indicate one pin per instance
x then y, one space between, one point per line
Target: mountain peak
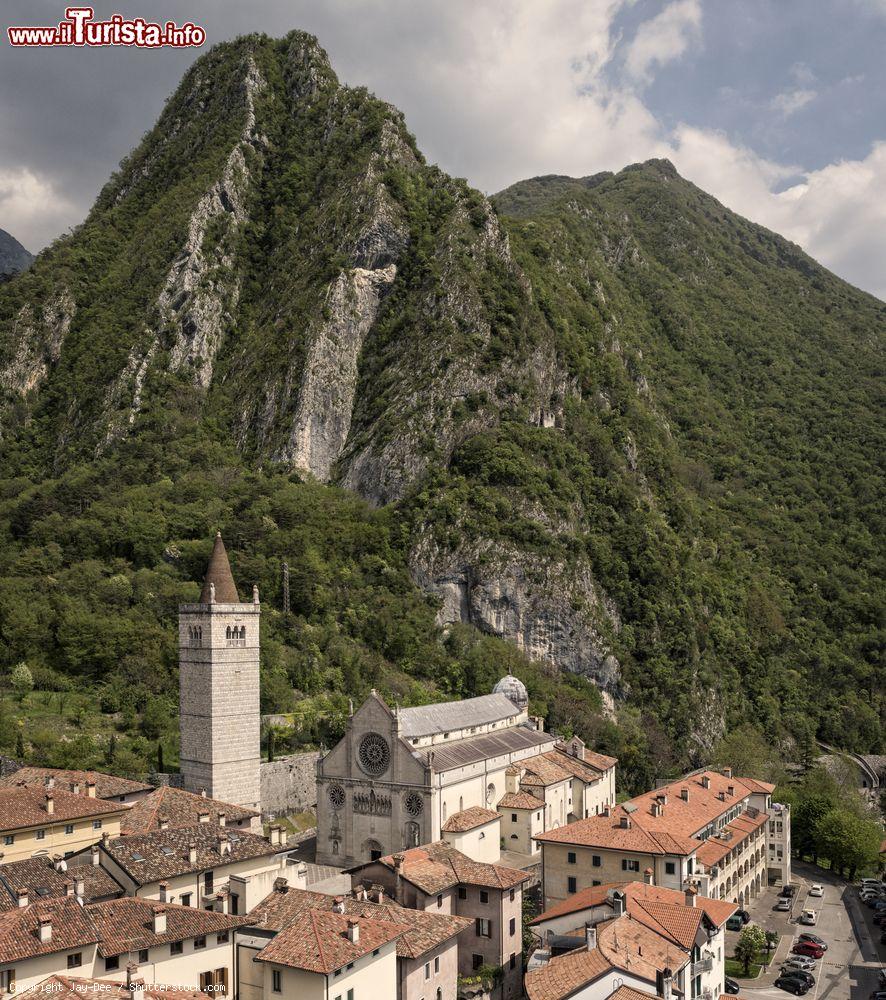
13 256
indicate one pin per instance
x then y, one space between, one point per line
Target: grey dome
513 688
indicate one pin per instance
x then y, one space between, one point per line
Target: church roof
461 753
219 573
451 716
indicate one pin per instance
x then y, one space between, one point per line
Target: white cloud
663 38
31 209
789 102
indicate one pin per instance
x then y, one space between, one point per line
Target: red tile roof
180 809
319 942
469 819
107 786
127 924
71 927
24 807
520 800
40 878
562 976
607 832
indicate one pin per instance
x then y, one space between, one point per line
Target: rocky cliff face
13 256
552 389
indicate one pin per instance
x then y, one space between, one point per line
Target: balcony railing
702 966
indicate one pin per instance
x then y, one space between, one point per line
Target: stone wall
289 784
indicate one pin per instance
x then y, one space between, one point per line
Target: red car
808 948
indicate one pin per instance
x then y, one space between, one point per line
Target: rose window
337 796
374 754
414 804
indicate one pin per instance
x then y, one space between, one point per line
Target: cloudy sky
777 107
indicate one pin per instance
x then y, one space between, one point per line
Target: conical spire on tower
219 582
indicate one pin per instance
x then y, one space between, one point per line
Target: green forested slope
622 426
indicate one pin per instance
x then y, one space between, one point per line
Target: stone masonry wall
289 784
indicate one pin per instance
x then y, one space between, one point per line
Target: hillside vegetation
603 420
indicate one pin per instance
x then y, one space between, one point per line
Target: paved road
850 966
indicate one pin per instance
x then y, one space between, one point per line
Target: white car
802 962
816 890
809 917
870 893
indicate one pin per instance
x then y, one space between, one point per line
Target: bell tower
218 662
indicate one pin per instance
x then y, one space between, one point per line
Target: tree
160 763
22 680
750 943
849 840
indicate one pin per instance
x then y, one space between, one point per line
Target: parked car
875 903
745 916
814 939
788 890
882 977
880 917
802 975
875 882
803 962
783 903
731 986
807 948
809 917
734 923
816 890
790 984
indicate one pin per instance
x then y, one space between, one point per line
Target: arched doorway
372 850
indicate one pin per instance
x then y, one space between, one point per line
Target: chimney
90 789
705 781
160 920
164 892
163 822
79 886
618 904
664 984
75 787
222 819
192 853
663 798
276 835
731 789
625 822
69 887
727 772
280 885
203 816
95 855
106 838
721 796
398 862
649 876
50 781
23 898
131 971
338 904
202 793
44 931
684 794
656 807
50 804
224 845
690 894
590 937
379 893
353 931
606 809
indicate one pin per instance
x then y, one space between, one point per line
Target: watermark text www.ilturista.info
81 28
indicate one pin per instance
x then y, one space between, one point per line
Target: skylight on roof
628 807
167 851
42 890
137 857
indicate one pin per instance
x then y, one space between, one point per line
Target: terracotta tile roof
107 786
600 760
594 895
425 932
469 819
520 800
637 894
754 785
631 945
40 878
318 941
563 975
608 833
674 920
127 924
575 766
629 993
71 927
180 808
436 867
544 769
166 853
24 807
68 988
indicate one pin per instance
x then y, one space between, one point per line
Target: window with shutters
483 927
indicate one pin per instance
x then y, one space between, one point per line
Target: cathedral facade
397 775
